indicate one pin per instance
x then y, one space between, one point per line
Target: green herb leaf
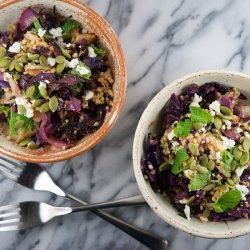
227 201
69 25
77 87
76 72
227 158
183 128
37 24
181 156
100 52
200 115
5 110
14 117
37 94
199 181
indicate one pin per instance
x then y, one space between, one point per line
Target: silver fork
36 177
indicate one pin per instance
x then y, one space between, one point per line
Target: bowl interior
96 24
150 121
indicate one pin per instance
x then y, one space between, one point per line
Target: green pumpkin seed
44 108
244 158
217 122
241 148
197 125
211 165
191 200
227 117
233 165
235 178
53 104
21 109
193 148
23 59
4 62
203 160
18 124
60 59
225 110
206 213
12 65
30 91
25 142
164 166
193 164
230 182
209 187
246 144
37 103
60 67
2 52
43 92
32 57
16 76
65 53
224 188
31 145
202 170
237 154
18 67
43 61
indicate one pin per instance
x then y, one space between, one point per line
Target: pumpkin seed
163 166
225 110
43 61
12 65
32 57
211 165
2 52
21 109
246 144
44 108
217 122
241 148
16 76
244 158
204 160
24 142
237 154
235 178
197 125
193 148
202 170
53 104
30 91
23 59
60 67
60 59
31 145
65 53
37 103
233 165
191 200
43 92
209 187
206 213
18 67
193 164
224 188
18 124
227 117
230 182
4 62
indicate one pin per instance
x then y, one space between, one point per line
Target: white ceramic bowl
150 122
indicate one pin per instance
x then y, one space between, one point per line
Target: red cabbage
51 77
4 84
226 101
26 18
75 104
231 134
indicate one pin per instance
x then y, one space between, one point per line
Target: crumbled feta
89 94
60 42
215 105
240 170
212 113
189 173
68 45
41 32
73 63
91 52
228 124
247 134
228 143
196 100
15 47
47 81
238 130
82 70
51 61
183 201
217 155
244 191
171 135
56 32
20 100
175 145
29 110
42 84
187 212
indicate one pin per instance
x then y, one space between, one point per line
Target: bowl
150 122
96 24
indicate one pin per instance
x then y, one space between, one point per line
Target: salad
55 80
201 160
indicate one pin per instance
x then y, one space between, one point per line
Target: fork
36 177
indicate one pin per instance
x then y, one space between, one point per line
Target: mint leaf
74 71
37 94
77 87
199 181
100 52
227 201
183 128
181 156
200 115
37 24
227 158
69 25
5 110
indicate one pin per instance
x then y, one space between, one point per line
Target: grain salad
201 159
56 85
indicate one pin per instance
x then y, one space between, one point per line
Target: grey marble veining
162 41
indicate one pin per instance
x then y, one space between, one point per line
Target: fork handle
147 238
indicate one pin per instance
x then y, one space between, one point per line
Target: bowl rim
143 185
117 105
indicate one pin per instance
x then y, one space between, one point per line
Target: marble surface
162 41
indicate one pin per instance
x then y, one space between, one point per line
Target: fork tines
10 218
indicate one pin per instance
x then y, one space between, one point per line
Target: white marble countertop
162 41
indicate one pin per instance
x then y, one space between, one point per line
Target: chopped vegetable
181 156
69 25
183 128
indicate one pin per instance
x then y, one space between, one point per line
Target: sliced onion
26 18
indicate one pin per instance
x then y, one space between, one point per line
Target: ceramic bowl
10 11
151 122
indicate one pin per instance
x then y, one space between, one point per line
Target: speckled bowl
151 122
10 11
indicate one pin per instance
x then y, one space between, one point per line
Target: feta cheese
217 155
187 212
183 201
82 70
73 63
20 100
60 42
244 191
196 100
89 94
212 113
42 84
238 130
215 106
51 61
227 143
91 52
15 47
171 135
175 145
41 32
68 45
247 134
228 124
56 32
29 110
189 173
240 170
47 81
